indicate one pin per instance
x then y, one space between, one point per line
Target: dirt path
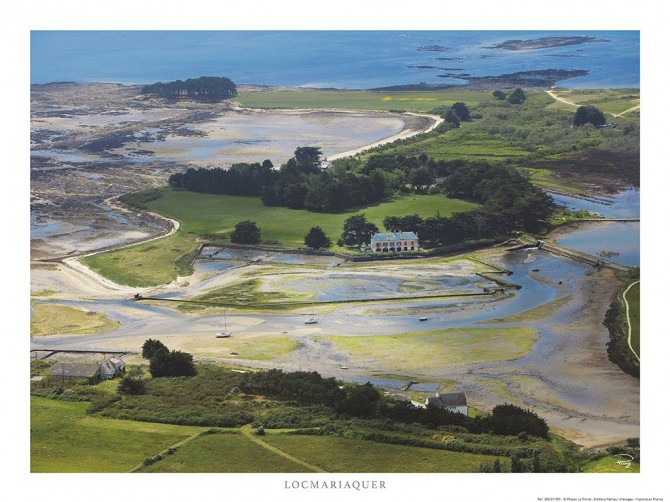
249 434
630 327
567 102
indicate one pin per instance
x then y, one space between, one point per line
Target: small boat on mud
311 321
225 333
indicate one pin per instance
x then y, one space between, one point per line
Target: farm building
93 372
76 371
394 242
455 402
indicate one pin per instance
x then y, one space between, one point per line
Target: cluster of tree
240 179
455 114
301 184
163 362
508 202
588 114
310 388
516 97
300 387
201 89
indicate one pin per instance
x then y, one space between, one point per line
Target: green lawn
64 439
360 100
153 263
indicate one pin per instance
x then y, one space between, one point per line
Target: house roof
449 400
394 236
75 370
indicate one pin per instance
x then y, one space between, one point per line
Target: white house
111 367
394 242
455 402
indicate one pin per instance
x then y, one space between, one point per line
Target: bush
132 386
246 232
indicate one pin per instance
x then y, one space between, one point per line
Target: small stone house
394 242
455 402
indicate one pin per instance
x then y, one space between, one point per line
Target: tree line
201 89
303 388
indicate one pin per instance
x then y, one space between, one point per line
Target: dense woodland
200 89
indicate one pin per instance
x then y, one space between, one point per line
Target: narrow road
630 327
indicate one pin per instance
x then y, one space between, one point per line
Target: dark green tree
176 363
150 347
588 114
246 232
499 95
517 97
452 118
316 238
461 110
510 420
357 231
307 159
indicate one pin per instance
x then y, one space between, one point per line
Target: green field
422 101
416 352
64 439
153 263
354 455
224 453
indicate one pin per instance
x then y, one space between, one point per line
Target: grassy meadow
208 215
417 101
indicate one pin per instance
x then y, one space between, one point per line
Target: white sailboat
225 333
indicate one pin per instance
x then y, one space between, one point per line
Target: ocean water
325 59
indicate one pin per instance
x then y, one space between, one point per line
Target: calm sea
340 59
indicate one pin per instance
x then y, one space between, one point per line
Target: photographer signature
626 461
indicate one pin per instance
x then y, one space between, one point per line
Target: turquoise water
341 59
